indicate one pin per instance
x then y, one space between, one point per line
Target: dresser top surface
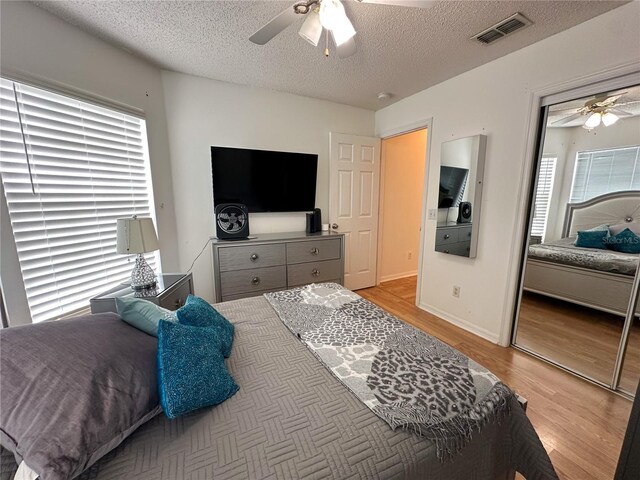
276 237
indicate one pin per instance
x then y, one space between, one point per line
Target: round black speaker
232 221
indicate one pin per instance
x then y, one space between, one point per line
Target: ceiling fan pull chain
326 46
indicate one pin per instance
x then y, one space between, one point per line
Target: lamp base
142 276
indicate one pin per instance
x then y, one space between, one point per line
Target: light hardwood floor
581 425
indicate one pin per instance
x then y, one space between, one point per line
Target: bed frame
608 292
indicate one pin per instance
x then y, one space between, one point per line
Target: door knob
334 226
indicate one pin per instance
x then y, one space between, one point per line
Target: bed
599 279
281 426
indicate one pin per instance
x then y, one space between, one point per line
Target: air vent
505 27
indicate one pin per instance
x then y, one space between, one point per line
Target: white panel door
353 204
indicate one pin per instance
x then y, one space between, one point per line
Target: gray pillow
616 229
72 390
143 314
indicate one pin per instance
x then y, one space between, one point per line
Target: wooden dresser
275 261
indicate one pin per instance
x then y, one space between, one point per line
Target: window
543 195
69 169
605 171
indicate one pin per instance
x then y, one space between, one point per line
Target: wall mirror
459 194
579 282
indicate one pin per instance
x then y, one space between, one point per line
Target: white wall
202 112
495 99
566 143
39 46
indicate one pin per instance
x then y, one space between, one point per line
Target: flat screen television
452 183
263 180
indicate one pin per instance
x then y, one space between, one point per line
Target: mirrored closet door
578 286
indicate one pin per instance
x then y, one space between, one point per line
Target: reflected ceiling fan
601 109
324 15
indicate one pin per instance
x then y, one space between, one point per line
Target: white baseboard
398 276
469 327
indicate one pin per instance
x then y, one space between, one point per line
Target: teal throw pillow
143 314
191 369
592 239
197 312
626 242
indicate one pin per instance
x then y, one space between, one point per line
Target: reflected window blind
605 171
69 171
543 195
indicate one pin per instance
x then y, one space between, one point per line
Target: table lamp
137 236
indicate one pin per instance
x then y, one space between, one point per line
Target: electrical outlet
433 214
409 255
456 291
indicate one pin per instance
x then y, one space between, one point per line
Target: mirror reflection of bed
576 295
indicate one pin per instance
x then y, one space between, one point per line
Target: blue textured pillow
191 369
590 239
197 312
626 241
143 314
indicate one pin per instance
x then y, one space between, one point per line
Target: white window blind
79 168
605 171
543 195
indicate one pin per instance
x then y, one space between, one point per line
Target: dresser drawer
314 272
313 251
251 256
458 248
464 234
252 280
175 298
446 235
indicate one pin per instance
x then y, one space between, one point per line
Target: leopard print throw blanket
406 377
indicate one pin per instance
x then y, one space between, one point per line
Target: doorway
402 189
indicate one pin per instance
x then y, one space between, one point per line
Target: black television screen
452 183
263 180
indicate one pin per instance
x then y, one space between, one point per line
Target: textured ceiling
400 50
629 102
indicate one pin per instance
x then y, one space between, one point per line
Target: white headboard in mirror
610 209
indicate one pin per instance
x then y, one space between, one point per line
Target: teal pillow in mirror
143 314
592 239
626 242
197 312
191 369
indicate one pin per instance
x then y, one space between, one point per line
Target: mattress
564 252
278 426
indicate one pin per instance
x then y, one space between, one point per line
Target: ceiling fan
601 109
323 15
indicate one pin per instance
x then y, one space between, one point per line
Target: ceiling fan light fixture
331 13
593 121
609 119
311 29
343 31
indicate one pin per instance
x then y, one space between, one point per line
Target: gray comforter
278 426
564 252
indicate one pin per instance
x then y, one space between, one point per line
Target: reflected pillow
626 242
616 229
197 312
191 369
143 314
599 228
592 239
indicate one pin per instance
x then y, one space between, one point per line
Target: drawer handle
315 251
446 251
447 236
254 257
178 303
315 272
255 281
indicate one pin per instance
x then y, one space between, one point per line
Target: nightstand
171 292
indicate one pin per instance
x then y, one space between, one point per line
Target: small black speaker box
232 221
464 212
317 218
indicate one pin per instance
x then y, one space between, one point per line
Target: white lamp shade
135 235
343 30
593 121
311 29
609 119
331 11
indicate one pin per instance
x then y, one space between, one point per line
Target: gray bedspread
279 426
564 252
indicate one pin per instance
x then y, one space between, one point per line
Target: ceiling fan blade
274 27
347 49
620 113
403 3
565 120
